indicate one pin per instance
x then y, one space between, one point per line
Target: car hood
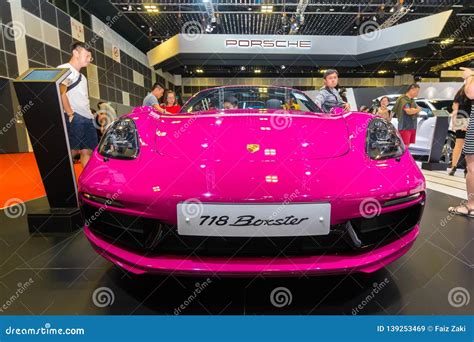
255 135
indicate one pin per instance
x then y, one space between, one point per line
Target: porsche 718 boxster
251 180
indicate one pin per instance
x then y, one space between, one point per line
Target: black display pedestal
54 220
437 144
434 166
38 93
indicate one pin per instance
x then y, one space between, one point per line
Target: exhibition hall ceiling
148 24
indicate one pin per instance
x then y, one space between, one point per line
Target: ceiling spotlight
406 59
199 71
331 9
322 71
124 8
142 26
151 8
249 9
382 71
139 8
257 71
242 68
267 9
130 8
447 41
282 67
392 9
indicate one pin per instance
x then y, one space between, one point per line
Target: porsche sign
268 43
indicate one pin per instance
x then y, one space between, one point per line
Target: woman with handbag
460 121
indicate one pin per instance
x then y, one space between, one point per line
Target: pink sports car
251 180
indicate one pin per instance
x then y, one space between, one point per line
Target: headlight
383 141
120 141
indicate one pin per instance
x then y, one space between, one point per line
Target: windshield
249 98
443 104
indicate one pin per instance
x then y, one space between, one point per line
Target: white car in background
426 126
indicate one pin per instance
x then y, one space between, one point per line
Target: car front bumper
323 264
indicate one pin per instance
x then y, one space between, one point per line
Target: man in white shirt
75 98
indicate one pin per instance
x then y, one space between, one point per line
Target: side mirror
423 115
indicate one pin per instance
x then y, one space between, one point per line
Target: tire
447 152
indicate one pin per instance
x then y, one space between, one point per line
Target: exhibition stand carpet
20 178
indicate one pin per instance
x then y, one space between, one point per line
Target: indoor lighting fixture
452 62
199 71
267 9
382 71
257 71
151 8
406 59
447 41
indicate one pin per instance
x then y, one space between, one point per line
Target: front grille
153 237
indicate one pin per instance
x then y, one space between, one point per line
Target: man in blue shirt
152 99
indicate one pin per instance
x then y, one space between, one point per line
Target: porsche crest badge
252 148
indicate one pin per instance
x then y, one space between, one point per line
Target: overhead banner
197 48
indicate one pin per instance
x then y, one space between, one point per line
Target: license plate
253 220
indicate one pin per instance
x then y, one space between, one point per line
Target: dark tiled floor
66 272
